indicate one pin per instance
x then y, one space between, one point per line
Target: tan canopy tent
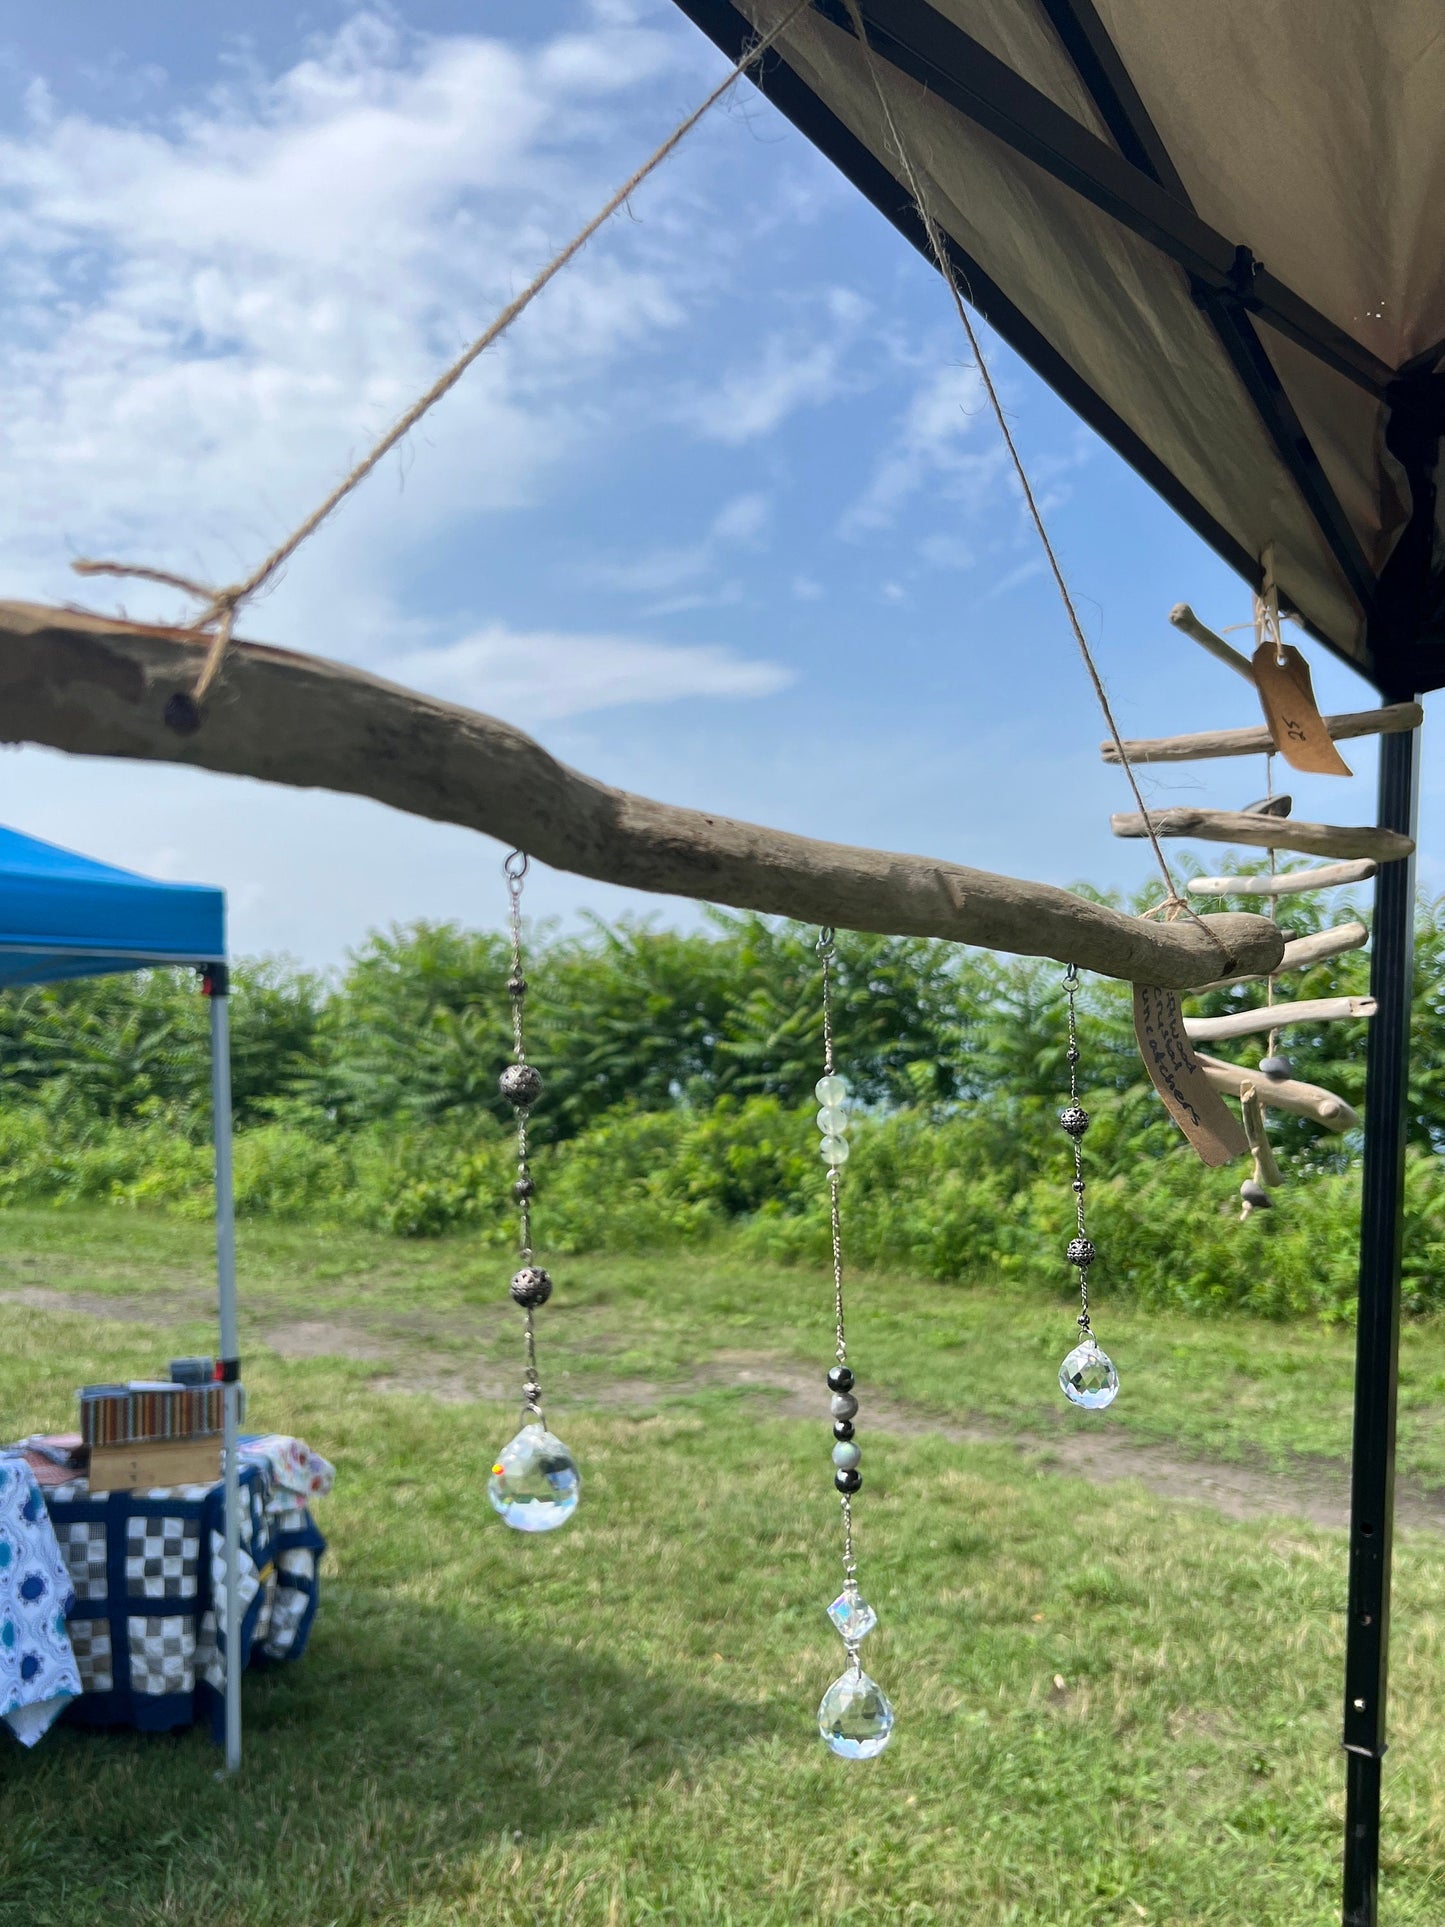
1217 229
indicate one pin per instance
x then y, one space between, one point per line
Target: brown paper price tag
1287 697
1178 1076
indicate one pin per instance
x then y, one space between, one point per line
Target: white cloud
215 311
801 367
930 446
545 675
742 522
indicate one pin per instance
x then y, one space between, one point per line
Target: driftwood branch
1287 883
97 687
1251 1110
1283 1093
1270 833
1300 953
1185 620
1391 720
1248 1023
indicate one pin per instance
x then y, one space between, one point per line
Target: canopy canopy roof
62 915
1217 230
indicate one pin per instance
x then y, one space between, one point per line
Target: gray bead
1075 1120
531 1286
520 1084
843 1405
846 1455
1256 1195
1275 1066
1081 1252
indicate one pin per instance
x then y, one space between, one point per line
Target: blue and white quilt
38 1672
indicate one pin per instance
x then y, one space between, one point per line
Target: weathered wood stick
1389 721
1248 1023
1288 883
1184 618
1270 833
1301 953
98 687
1283 1093
1252 1111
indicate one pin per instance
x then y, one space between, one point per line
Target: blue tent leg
217 982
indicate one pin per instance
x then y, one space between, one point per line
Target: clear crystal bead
855 1718
833 1120
1087 1377
853 1616
834 1150
535 1484
831 1090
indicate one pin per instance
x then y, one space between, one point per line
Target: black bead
842 1428
523 1189
521 1084
848 1478
516 986
1073 1053
840 1379
1079 1186
531 1286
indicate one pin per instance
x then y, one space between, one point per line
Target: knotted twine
217 619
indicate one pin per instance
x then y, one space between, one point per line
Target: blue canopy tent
63 915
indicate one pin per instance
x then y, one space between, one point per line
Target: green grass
615 1725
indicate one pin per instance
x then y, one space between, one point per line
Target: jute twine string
218 616
1174 903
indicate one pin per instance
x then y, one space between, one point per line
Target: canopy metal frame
1136 183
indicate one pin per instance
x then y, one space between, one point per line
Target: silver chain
827 952
1071 988
515 871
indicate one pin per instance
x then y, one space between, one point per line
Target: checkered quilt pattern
148 1626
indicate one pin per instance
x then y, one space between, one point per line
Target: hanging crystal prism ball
1087 1377
535 1484
855 1717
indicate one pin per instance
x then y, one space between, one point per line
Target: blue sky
722 521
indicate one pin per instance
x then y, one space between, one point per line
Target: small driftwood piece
97 687
1283 1094
1288 883
1184 619
1270 833
1391 720
1301 952
1266 1171
1248 1023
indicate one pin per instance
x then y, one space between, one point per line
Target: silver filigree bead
520 1084
1081 1252
1074 1119
531 1287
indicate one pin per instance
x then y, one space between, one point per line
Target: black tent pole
1367 1632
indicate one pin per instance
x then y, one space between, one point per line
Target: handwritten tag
1178 1076
1288 698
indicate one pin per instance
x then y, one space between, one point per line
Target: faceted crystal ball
1087 1377
534 1483
855 1718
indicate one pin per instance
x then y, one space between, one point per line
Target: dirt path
397 1343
